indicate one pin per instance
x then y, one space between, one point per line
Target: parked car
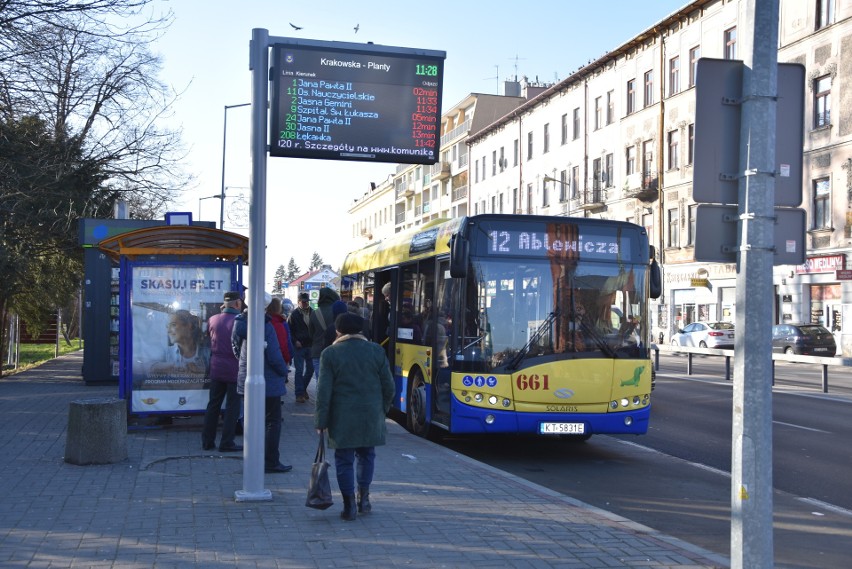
705 335
805 339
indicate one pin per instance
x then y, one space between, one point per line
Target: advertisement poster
169 309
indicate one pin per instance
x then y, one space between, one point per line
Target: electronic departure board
357 102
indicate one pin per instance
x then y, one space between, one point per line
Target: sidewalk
171 505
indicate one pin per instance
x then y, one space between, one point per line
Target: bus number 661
533 382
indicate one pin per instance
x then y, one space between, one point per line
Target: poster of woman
169 309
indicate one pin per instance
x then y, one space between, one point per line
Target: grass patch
32 355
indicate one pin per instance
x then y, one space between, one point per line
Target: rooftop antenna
497 67
516 59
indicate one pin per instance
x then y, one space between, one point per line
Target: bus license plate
562 428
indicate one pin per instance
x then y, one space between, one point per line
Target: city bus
516 324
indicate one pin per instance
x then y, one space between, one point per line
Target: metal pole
255 386
224 145
751 461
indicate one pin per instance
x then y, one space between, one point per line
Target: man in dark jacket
275 375
321 318
299 321
223 377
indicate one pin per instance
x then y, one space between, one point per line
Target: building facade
615 140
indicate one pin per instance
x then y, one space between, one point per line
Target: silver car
705 335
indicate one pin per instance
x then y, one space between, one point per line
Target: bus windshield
528 309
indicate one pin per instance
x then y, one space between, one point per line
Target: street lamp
221 196
215 196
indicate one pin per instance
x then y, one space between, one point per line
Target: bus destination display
352 104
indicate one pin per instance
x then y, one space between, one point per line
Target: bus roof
427 240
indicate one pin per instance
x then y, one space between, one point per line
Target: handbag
319 487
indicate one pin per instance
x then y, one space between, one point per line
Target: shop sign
699 282
843 274
826 264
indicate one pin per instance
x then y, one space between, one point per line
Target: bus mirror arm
459 253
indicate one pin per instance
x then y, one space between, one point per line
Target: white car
705 335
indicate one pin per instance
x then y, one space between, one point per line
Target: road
676 478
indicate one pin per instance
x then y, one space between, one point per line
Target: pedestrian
299 322
274 374
282 330
224 368
321 318
354 393
337 308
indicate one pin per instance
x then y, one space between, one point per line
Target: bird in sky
357 27
295 27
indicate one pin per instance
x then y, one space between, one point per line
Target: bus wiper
594 335
539 332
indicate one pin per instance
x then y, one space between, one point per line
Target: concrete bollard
97 431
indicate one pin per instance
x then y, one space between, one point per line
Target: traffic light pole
751 464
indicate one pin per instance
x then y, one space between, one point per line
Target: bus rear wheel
416 412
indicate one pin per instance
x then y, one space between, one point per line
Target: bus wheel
416 419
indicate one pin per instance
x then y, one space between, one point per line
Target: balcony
440 171
456 132
642 187
459 193
593 199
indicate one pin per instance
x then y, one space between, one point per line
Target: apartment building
615 138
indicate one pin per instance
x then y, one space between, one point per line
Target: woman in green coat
354 393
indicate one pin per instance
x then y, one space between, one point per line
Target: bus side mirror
459 253
655 287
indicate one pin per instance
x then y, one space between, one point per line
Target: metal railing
824 362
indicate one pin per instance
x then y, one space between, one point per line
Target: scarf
350 337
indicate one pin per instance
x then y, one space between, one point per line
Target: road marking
801 427
826 506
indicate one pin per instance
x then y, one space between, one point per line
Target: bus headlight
506 403
613 404
625 402
489 419
478 398
492 399
635 400
628 421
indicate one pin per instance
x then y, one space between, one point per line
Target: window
545 194
598 111
690 150
502 160
529 199
565 128
674 76
494 163
822 203
630 160
674 159
673 234
690 236
563 185
546 147
516 152
575 181
483 167
649 88
694 56
596 175
731 43
631 96
576 123
824 13
493 204
476 172
822 101
516 206
609 164
648 158
610 107
529 145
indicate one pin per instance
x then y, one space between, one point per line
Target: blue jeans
316 368
271 455
344 459
304 366
221 392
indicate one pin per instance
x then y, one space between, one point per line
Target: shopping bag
319 488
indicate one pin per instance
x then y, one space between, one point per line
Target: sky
205 56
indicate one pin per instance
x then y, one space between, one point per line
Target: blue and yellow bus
514 323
